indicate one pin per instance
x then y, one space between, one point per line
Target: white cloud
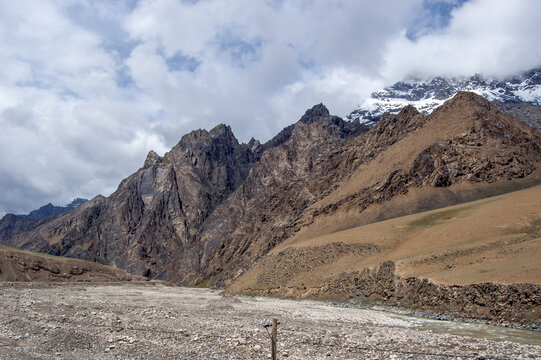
67 128
88 87
251 55
492 37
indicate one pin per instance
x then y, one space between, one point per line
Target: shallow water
479 331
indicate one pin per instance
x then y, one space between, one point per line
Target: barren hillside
490 245
20 265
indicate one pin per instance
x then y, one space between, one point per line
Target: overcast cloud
88 87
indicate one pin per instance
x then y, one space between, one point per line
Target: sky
89 87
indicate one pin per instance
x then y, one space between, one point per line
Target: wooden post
274 337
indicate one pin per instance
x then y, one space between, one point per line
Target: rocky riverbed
155 321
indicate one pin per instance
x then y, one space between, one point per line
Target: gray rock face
210 207
527 113
155 216
11 224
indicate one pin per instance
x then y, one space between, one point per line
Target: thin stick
274 337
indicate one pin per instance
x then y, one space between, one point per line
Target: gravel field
154 321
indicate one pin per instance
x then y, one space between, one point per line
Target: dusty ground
138 321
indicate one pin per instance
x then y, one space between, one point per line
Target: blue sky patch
123 77
180 62
434 15
240 51
113 37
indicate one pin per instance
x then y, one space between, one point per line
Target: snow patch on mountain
429 94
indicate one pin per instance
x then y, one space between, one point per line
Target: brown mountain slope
211 207
465 150
20 265
496 239
481 260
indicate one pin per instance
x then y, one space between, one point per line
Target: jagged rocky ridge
50 209
12 224
519 95
211 207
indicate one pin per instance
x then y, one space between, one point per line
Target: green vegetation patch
440 216
202 284
52 256
534 228
38 254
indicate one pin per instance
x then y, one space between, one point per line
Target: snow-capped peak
428 95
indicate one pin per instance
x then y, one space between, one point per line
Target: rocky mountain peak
390 122
76 202
222 131
408 112
442 88
50 209
316 112
469 103
152 159
254 145
201 136
392 127
467 99
200 144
